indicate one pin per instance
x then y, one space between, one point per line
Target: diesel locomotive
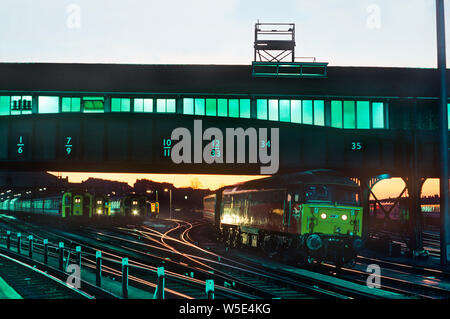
310 216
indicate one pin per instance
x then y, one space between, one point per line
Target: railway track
32 283
177 285
239 270
145 247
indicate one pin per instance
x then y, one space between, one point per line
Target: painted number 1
20 146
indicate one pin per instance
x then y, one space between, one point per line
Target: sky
350 32
346 33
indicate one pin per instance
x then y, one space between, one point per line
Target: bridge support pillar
365 195
414 185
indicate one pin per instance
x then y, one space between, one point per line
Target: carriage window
317 193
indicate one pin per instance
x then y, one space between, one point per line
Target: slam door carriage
312 215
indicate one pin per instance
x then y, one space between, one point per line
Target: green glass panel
115 105
188 106
234 108
349 114
336 114
93 98
18 99
171 106
93 104
307 108
285 111
363 114
377 115
319 112
199 106
211 107
76 104
126 105
222 107
261 109
48 104
5 105
148 105
273 110
296 111
160 105
139 105
244 108
66 104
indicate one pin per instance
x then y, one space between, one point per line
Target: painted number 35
356 146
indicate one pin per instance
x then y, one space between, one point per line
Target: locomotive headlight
344 217
99 211
323 216
135 212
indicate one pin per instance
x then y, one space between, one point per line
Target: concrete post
125 278
19 243
61 256
30 246
210 289
46 251
160 286
98 273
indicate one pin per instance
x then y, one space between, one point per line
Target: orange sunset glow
386 188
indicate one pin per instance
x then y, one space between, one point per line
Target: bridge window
143 105
273 110
285 111
363 114
244 108
120 105
5 105
21 105
261 109
319 112
165 105
93 104
48 104
307 114
188 106
233 108
296 111
377 115
70 104
349 114
336 114
222 107
211 105
199 106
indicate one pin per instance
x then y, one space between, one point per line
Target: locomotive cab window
346 196
317 193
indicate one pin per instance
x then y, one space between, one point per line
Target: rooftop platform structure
275 54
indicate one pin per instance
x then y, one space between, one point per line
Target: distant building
106 187
31 180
